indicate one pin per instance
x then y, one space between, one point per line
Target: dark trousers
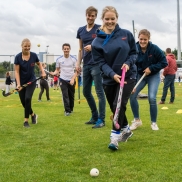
68 93
168 83
26 98
44 86
111 92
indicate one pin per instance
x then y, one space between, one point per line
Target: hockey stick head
9 93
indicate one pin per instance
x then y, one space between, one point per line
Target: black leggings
112 92
26 98
44 85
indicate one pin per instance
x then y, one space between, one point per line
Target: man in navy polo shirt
91 70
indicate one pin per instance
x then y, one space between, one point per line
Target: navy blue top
153 58
26 67
111 51
87 37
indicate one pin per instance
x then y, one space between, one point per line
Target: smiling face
143 41
26 45
90 17
109 21
66 50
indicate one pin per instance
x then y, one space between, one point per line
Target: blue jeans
93 73
153 84
168 83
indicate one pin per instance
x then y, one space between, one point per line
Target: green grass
64 149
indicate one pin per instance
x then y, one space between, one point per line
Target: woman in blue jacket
113 49
150 61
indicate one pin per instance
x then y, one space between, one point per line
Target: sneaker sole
135 128
94 127
91 123
127 138
112 147
36 120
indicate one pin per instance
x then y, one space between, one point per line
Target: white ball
94 172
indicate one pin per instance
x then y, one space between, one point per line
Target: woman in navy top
24 72
150 61
113 49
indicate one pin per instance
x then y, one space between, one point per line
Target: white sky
54 22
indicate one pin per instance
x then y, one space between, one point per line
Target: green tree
2 71
6 65
175 52
52 67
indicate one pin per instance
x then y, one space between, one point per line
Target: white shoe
135 124
154 126
113 144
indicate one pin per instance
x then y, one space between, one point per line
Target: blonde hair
109 8
25 40
144 32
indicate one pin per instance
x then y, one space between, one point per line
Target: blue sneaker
99 124
113 144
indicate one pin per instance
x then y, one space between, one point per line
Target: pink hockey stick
116 115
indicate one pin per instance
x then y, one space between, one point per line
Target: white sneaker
113 144
135 124
154 126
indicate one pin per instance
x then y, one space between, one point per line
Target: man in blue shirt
91 70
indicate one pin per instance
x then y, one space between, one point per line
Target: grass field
64 149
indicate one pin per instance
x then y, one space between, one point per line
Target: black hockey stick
78 90
15 90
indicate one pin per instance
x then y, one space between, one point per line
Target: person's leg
71 93
111 95
7 88
153 84
167 83
134 104
46 86
41 90
87 88
133 98
96 75
64 89
172 89
26 98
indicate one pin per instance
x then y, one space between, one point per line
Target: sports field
63 149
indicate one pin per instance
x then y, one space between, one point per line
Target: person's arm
161 61
17 75
80 56
56 72
132 55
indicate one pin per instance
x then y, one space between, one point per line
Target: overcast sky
54 22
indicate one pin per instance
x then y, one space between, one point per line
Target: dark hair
7 73
66 44
168 50
91 9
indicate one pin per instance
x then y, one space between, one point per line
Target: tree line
8 66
